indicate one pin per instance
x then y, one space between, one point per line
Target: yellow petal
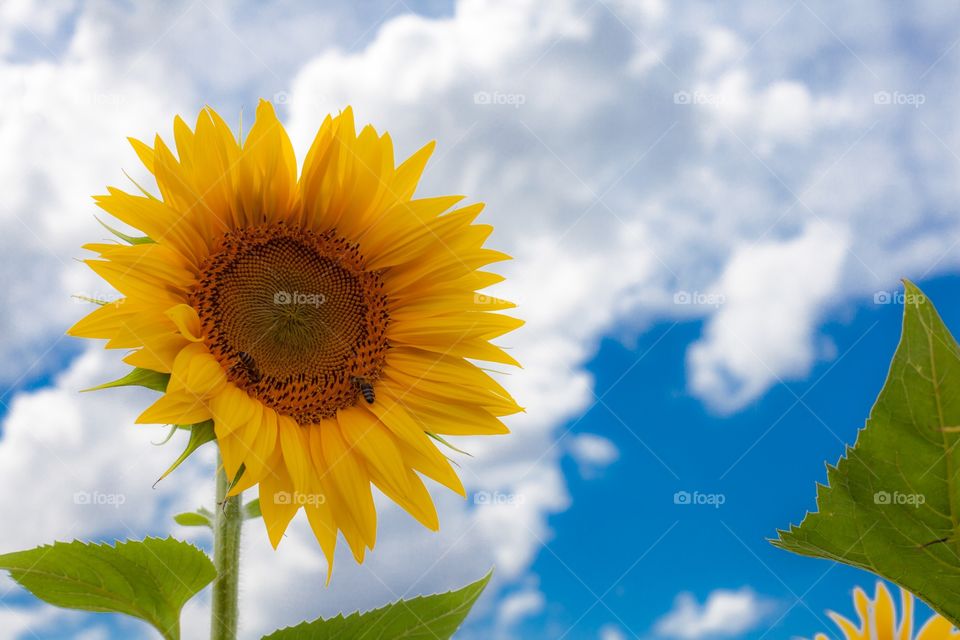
348 475
884 616
324 529
196 371
937 628
176 408
341 509
296 452
187 322
277 502
231 408
363 431
849 630
906 623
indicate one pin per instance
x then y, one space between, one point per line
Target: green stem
226 558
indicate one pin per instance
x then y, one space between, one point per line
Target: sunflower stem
226 557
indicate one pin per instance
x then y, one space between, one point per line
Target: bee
249 366
365 388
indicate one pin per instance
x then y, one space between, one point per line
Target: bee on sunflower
878 619
327 325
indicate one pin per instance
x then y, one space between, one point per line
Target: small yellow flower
878 619
326 325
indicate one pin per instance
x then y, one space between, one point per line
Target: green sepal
123 236
251 510
200 434
447 444
138 378
202 517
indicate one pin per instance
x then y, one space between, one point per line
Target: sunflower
327 325
878 619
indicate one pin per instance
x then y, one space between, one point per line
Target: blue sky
702 203
764 461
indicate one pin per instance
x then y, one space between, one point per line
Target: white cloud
769 296
724 614
517 606
592 452
611 632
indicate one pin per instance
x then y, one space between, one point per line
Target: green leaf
202 517
200 434
892 505
435 617
251 509
138 378
150 580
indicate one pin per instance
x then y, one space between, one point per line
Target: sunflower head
878 619
326 324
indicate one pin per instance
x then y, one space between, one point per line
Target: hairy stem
226 557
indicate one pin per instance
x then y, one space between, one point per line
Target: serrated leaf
435 617
150 580
200 434
251 509
202 517
892 505
138 378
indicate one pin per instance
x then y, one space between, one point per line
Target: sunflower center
293 318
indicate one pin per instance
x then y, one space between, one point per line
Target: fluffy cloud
767 297
628 153
725 613
592 452
613 191
611 632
